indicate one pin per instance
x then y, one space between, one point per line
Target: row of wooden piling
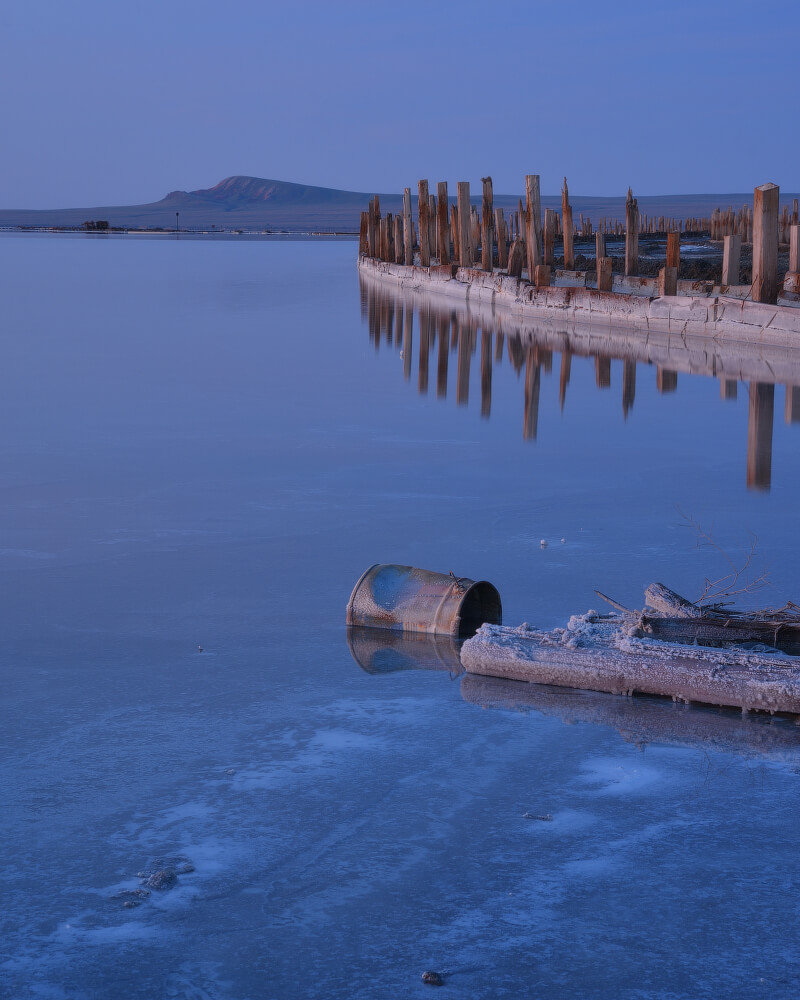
457 234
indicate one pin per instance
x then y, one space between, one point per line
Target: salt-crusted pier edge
708 312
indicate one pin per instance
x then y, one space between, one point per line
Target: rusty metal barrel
409 599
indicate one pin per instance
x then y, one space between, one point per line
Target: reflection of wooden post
464 355
463 224
791 412
486 373
731 257
408 341
498 347
727 388
567 226
424 225
487 225
533 223
563 382
759 434
424 348
666 380
444 354
602 372
442 209
765 243
398 324
408 226
532 380
631 235
628 386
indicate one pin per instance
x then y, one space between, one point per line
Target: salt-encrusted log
674 250
516 258
794 247
442 209
502 243
731 257
765 243
408 227
668 281
714 629
668 602
568 228
532 223
594 654
605 278
631 235
487 236
363 235
464 258
424 226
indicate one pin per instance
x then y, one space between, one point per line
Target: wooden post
487 212
568 228
399 250
631 235
759 428
442 222
599 244
533 226
549 236
432 241
502 245
463 224
731 257
363 235
516 258
794 248
674 250
542 276
765 243
408 227
605 280
668 281
424 225
455 229
372 230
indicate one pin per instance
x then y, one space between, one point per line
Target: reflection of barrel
408 599
642 719
379 651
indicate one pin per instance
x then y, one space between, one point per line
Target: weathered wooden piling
533 222
487 225
568 228
423 211
674 250
794 247
408 227
442 222
454 231
605 278
363 235
731 258
464 258
631 235
549 234
668 281
599 244
399 249
542 274
516 258
502 242
765 243
433 243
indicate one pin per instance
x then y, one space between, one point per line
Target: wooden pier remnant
424 225
668 281
731 258
464 257
502 242
605 278
766 198
549 237
442 222
568 228
487 225
533 222
674 250
794 248
631 235
408 227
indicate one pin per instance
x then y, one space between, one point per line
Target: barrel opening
481 604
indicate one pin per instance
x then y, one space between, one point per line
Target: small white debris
563 541
543 542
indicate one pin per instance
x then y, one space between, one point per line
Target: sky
107 102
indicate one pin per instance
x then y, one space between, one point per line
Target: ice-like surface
199 447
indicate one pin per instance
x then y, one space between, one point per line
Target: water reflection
444 328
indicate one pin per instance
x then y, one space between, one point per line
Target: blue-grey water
203 446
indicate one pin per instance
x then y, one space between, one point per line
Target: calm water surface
204 444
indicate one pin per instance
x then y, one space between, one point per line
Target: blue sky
119 102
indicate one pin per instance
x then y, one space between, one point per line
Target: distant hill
257 203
